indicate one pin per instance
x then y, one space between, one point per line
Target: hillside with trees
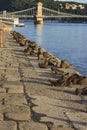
69 7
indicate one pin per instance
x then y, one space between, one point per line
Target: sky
82 1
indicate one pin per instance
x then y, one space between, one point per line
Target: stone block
12 71
32 126
8 125
12 78
2 97
2 90
1 117
62 128
18 116
78 119
14 88
9 84
17 99
14 109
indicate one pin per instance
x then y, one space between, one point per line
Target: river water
64 40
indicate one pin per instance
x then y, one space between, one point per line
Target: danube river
64 40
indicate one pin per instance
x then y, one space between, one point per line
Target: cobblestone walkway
14 106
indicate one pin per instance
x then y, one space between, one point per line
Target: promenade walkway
14 107
28 102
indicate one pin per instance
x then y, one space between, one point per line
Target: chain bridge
39 13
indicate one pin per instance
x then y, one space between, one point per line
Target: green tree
5 4
23 4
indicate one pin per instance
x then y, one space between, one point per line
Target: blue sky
82 1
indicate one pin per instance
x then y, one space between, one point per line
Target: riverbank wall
32 48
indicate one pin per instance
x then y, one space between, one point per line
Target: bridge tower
38 19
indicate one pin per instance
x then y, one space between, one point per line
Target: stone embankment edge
54 60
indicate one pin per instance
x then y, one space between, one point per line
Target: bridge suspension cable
53 12
49 13
23 13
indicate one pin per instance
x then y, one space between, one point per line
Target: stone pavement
28 102
14 106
